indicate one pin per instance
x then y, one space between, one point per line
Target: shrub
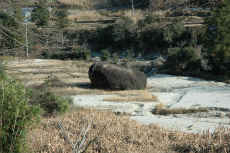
189 54
80 52
183 59
130 55
173 33
53 103
16 117
115 58
50 101
123 32
149 19
105 55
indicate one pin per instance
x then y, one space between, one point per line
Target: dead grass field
121 134
87 16
69 78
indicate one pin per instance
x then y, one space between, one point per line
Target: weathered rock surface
115 77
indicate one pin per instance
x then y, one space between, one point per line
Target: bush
50 101
80 52
149 19
16 116
115 58
173 34
130 55
105 55
183 59
53 103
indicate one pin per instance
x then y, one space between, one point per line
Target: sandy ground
174 92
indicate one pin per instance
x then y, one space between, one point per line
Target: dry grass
122 135
84 4
161 110
132 95
87 16
69 78
79 3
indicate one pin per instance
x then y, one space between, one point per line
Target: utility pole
132 6
26 32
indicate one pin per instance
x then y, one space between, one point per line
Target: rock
115 77
159 61
95 59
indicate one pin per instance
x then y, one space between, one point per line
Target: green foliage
41 14
50 101
61 19
3 75
122 33
217 39
174 32
81 52
53 103
115 58
103 37
47 54
16 116
189 54
183 59
130 54
105 55
12 31
149 19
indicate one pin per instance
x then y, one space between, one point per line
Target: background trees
61 21
11 29
217 38
41 14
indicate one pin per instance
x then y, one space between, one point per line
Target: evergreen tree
61 21
217 38
41 14
12 29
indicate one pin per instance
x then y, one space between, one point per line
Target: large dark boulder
115 77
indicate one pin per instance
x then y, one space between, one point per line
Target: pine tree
61 21
41 14
12 29
217 38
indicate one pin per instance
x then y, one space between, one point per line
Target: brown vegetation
133 95
84 4
122 135
161 110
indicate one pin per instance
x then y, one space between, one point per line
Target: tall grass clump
16 116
